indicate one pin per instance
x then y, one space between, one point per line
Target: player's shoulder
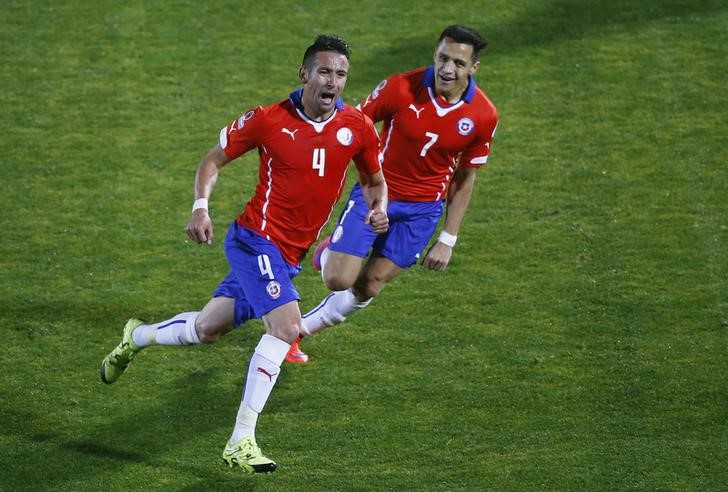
413 75
401 80
483 102
409 81
273 114
351 114
484 107
256 111
356 121
283 107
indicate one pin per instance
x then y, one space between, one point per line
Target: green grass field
578 340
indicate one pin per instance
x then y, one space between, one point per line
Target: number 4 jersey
302 170
424 138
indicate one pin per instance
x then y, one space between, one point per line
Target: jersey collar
428 79
295 98
297 95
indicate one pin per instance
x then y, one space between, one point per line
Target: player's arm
380 104
374 189
199 228
458 199
371 178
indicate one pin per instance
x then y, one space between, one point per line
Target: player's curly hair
461 33
326 42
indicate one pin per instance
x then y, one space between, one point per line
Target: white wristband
200 203
447 239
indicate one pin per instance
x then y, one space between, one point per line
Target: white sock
263 370
244 423
179 330
334 309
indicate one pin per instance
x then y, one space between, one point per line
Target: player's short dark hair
465 34
326 42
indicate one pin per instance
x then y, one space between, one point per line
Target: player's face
453 67
323 83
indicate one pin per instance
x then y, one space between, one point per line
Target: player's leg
341 261
339 305
207 326
373 277
282 326
266 281
216 319
340 255
340 269
410 227
190 328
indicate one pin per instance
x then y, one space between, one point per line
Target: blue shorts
260 279
411 225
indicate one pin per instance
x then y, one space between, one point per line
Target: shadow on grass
97 455
561 20
104 452
550 24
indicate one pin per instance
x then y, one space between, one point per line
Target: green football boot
114 364
248 456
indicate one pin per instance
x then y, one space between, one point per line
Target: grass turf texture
577 340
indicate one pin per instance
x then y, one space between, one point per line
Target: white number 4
433 139
319 160
264 266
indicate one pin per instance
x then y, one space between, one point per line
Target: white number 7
433 139
319 160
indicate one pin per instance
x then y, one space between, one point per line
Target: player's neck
451 98
319 117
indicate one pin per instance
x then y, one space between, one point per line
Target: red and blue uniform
423 141
302 173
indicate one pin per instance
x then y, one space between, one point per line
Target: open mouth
446 79
327 97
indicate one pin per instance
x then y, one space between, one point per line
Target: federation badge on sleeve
244 118
375 92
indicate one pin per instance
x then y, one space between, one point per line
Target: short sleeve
367 159
380 104
476 154
243 134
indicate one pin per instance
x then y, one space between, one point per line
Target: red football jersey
302 170
424 138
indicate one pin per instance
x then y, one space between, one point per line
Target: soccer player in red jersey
305 144
437 131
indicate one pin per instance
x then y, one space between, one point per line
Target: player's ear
302 75
475 67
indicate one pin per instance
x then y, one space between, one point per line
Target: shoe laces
123 353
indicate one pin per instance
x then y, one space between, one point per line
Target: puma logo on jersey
291 133
417 111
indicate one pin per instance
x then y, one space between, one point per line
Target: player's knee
208 332
338 280
288 332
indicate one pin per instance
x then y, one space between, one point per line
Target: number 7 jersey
424 138
302 170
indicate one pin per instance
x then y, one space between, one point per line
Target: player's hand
437 257
199 228
378 219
